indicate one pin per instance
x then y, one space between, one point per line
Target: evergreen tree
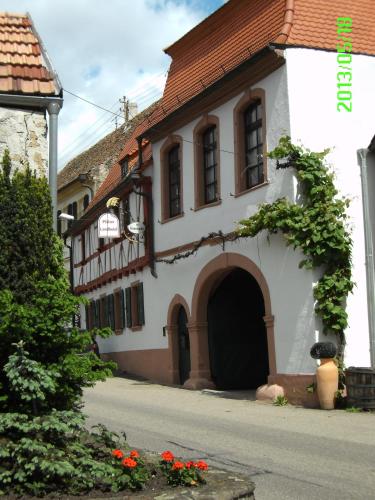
36 304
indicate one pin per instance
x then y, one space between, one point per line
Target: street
289 452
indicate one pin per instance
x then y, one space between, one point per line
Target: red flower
201 465
129 463
167 456
190 464
134 454
117 453
177 466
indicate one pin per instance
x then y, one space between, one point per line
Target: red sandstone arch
172 329
209 277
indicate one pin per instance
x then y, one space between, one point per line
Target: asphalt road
290 453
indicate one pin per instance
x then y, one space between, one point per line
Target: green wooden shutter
97 314
140 305
110 312
122 309
87 311
128 302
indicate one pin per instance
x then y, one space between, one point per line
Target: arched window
250 142
206 162
253 165
209 165
174 181
171 178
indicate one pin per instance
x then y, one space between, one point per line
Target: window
171 178
126 219
206 162
209 165
119 299
134 305
103 312
83 246
174 181
124 164
86 201
249 141
253 144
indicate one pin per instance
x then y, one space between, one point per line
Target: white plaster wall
291 305
24 133
193 224
290 287
316 122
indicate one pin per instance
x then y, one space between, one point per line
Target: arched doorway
183 346
208 281
237 336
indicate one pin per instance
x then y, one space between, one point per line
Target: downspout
369 252
53 111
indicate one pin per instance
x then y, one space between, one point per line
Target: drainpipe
53 111
369 249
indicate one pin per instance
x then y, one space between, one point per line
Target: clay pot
327 378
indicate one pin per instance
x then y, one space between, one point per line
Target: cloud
103 51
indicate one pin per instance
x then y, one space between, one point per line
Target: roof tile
22 67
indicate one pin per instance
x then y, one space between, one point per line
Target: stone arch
209 278
172 329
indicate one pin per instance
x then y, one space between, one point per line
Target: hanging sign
108 226
136 227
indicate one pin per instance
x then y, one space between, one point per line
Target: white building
235 314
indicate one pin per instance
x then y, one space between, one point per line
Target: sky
103 50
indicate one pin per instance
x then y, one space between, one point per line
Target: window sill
250 190
170 219
208 205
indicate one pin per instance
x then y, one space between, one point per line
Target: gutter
52 104
369 251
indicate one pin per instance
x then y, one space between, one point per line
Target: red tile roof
240 28
314 24
24 65
233 34
130 149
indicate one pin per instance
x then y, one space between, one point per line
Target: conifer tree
36 304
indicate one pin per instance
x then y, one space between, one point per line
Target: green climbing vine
317 226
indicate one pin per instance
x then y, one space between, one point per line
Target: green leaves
317 226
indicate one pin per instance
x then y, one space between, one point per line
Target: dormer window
124 166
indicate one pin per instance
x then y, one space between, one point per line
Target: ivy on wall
317 226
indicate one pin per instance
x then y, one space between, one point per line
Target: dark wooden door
237 335
183 346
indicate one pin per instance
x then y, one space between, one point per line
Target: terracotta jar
327 374
327 378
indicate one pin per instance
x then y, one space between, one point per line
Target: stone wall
24 133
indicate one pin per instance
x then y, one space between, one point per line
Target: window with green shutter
111 311
122 309
96 313
140 304
103 312
128 305
87 316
